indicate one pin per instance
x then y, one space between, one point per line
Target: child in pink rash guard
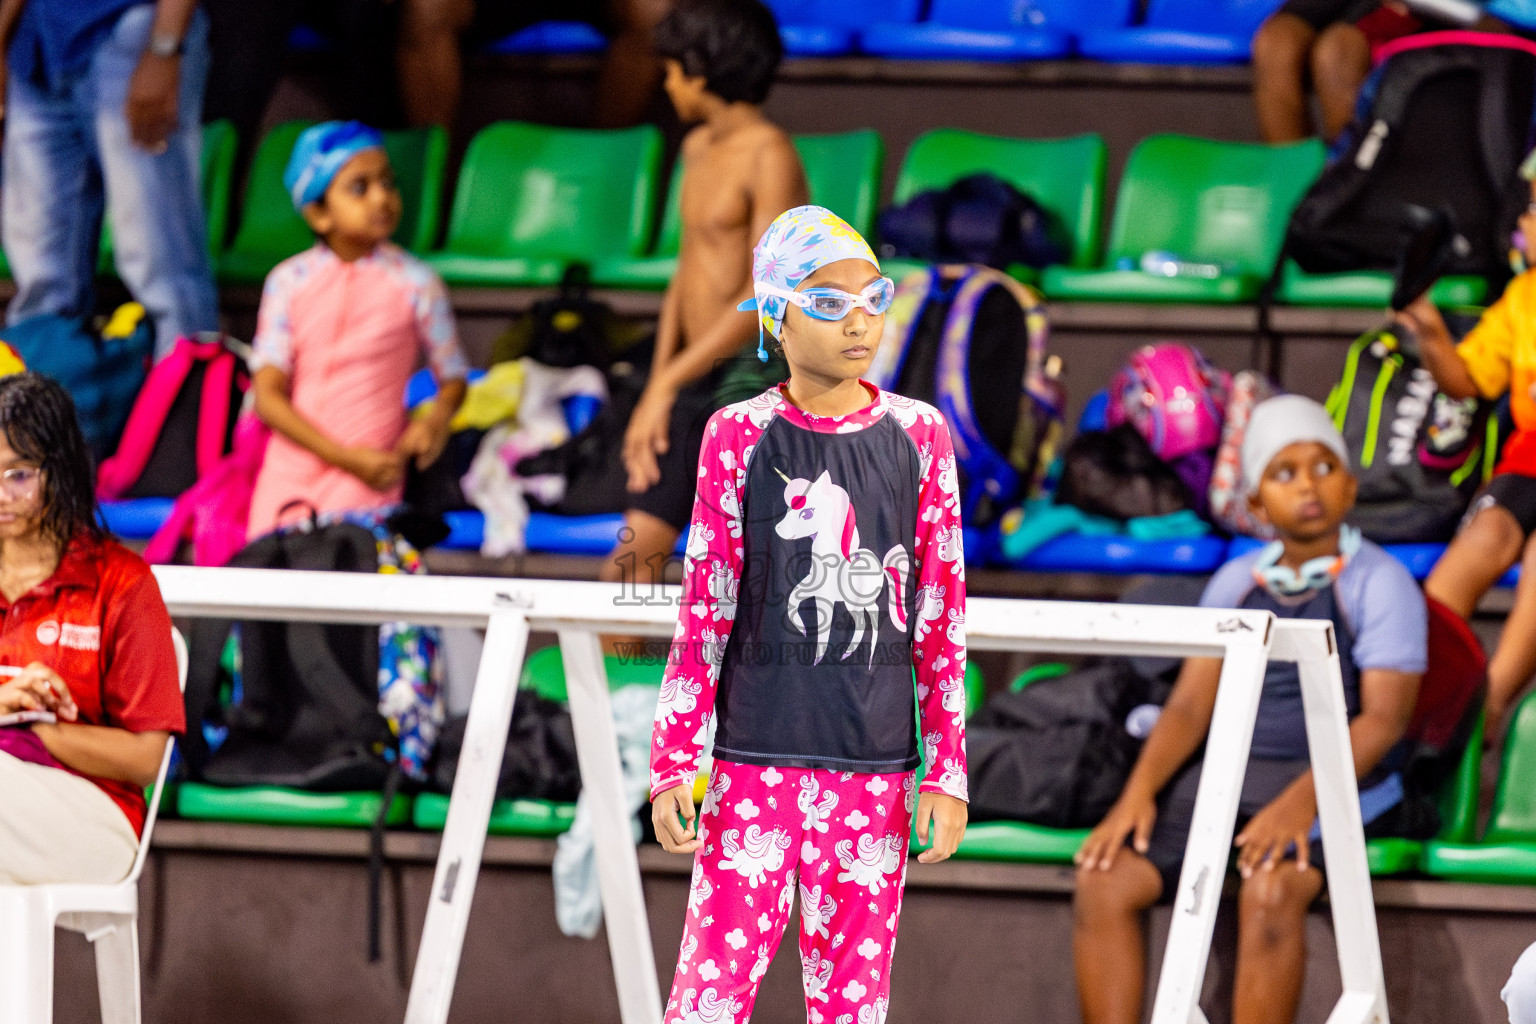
339 332
823 567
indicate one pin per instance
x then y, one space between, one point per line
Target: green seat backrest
842 173
1222 202
1065 176
1514 801
218 168
269 223
532 190
544 673
1458 796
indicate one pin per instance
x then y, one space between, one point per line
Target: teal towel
1173 526
1043 521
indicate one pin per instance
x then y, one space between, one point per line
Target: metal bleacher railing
508 609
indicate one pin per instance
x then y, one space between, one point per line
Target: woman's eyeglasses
20 481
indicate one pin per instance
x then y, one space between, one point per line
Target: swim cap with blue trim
320 153
797 244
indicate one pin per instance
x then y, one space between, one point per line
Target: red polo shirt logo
48 633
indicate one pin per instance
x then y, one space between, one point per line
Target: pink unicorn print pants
843 838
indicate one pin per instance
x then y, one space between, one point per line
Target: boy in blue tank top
1296 471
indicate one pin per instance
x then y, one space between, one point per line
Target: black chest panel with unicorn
818 669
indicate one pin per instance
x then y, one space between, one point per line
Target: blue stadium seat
548 533
552 37
1126 555
1419 559
1183 32
810 28
136 518
989 30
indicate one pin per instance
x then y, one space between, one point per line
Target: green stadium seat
274 805
1017 841
1458 817
220 144
532 200
271 230
1369 288
217 172
1507 852
1205 201
842 173
508 817
544 673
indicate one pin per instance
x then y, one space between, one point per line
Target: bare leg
1480 554
431 73
1514 661
1272 943
638 562
631 72
1280 49
1341 60
1109 942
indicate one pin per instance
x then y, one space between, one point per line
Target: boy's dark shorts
1262 782
1322 13
1513 492
671 499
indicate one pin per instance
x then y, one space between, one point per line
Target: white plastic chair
107 915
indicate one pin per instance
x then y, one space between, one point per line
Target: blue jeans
68 152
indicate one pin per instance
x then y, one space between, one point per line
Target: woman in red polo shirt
85 636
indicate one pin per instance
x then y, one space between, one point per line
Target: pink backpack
214 512
1173 396
181 425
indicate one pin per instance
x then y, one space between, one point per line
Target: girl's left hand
942 816
424 440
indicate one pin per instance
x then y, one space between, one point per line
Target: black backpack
540 760
1115 473
571 329
1418 455
978 219
308 717
972 341
1441 127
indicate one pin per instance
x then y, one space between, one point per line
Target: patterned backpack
971 340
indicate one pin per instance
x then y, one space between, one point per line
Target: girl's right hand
1133 815
37 688
380 470
676 822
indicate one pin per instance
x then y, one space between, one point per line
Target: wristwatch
165 45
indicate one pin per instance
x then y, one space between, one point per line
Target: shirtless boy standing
739 173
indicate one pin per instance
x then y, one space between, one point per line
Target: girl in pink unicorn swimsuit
824 566
338 336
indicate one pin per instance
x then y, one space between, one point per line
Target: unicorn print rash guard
824 568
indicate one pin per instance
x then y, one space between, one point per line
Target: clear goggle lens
834 303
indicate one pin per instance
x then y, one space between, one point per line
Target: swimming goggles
834 303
